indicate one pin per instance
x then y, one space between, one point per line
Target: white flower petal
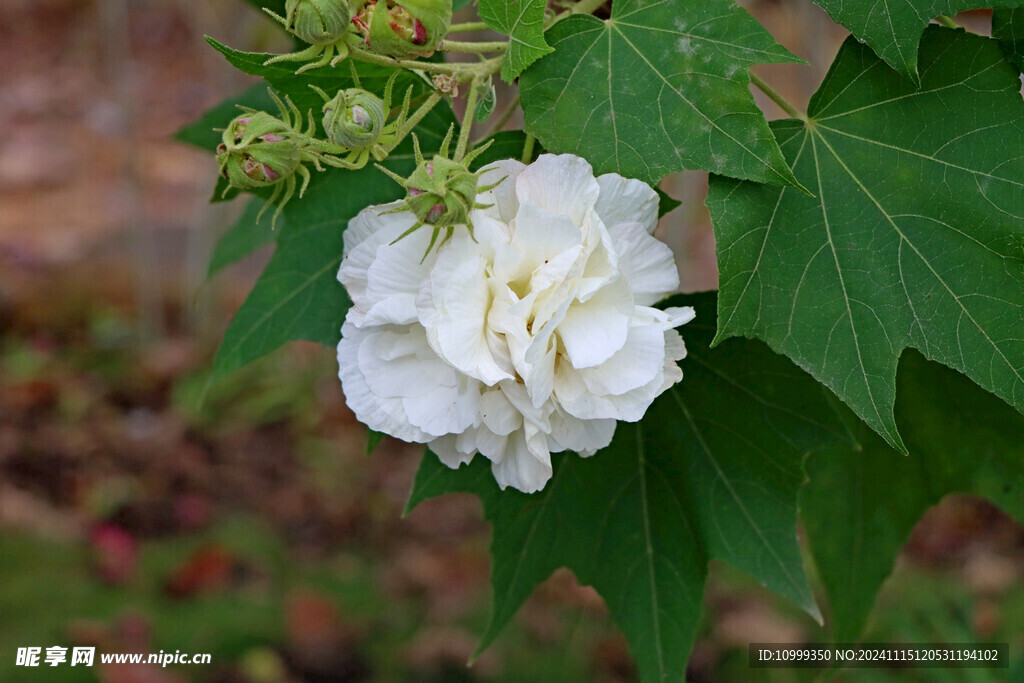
453 310
638 362
624 200
594 330
498 415
647 263
522 468
446 409
385 415
563 185
398 363
447 451
585 437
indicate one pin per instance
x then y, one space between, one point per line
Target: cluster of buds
393 28
404 28
259 150
441 192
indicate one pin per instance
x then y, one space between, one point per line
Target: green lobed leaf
915 237
893 28
1008 29
244 237
658 87
860 506
712 471
523 22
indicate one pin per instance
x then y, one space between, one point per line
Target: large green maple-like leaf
893 28
860 506
1008 29
915 236
712 471
523 22
658 87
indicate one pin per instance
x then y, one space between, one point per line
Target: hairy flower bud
257 150
441 193
354 119
404 28
318 22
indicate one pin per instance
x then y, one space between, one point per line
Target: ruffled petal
385 415
625 200
453 310
585 437
563 185
648 263
638 362
521 467
595 329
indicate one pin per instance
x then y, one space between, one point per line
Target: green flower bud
441 193
318 22
258 150
404 28
354 119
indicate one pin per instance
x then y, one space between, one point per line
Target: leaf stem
467 120
776 97
528 148
436 67
947 21
468 27
474 48
502 119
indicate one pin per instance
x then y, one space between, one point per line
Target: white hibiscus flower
533 338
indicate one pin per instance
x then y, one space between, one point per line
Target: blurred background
255 528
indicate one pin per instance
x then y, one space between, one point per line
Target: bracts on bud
441 192
354 118
257 150
404 28
260 150
325 24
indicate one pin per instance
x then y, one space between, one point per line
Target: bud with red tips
404 28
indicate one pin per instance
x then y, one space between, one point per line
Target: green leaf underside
915 237
893 28
1008 29
859 507
243 238
523 22
711 472
659 87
